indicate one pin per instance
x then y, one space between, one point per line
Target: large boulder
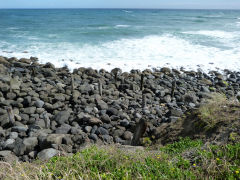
4 61
46 154
50 139
4 120
3 69
30 143
15 83
8 156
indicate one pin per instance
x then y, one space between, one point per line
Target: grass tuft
218 110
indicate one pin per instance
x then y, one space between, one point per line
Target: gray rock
105 118
167 99
8 156
4 120
88 129
51 139
19 129
102 131
92 120
60 97
127 135
124 123
46 154
39 103
30 143
101 105
118 132
76 130
15 83
30 110
8 142
63 129
108 139
119 140
18 147
13 135
112 111
88 110
24 117
62 117
93 137
11 95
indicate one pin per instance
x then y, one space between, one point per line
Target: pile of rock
46 110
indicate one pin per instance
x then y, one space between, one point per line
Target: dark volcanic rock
62 117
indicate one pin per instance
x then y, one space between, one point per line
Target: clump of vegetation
186 159
218 110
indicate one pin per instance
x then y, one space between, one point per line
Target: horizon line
123 8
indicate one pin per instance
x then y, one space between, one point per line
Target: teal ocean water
129 39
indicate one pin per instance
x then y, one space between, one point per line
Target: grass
218 110
186 159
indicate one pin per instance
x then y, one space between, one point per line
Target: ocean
125 38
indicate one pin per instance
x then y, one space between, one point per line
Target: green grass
186 159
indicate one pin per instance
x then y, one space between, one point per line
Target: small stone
19 129
108 139
76 130
127 135
39 104
88 129
30 110
105 118
124 123
63 129
93 137
167 99
13 135
101 131
92 120
15 83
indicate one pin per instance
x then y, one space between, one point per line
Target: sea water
125 38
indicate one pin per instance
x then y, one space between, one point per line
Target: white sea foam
215 34
127 11
12 28
154 51
122 26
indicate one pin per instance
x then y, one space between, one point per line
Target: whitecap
122 26
127 11
13 28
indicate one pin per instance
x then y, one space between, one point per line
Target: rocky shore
45 110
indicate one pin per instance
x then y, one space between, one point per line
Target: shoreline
45 110
108 67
